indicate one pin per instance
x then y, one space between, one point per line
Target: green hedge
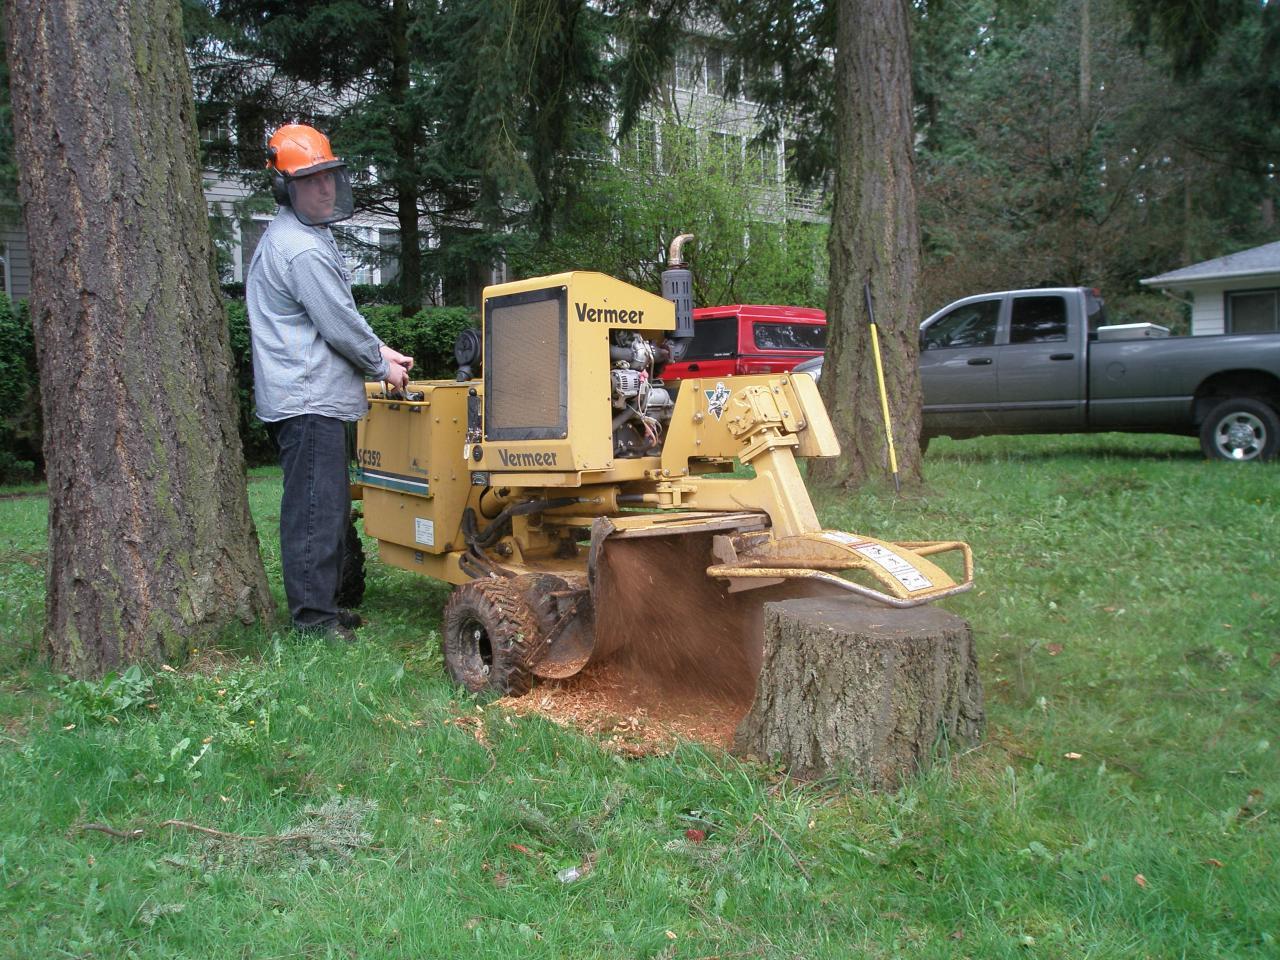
427 336
21 458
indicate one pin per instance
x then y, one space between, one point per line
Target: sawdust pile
676 656
630 713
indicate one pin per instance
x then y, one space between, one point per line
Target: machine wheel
351 586
491 637
1240 429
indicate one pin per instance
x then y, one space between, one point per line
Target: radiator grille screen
525 366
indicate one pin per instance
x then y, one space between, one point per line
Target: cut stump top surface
853 615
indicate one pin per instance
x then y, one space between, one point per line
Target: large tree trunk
151 547
874 235
874 690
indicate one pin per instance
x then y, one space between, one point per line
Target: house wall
1207 311
1209 306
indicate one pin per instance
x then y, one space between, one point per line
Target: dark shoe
350 619
333 633
340 634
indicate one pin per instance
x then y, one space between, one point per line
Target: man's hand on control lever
398 367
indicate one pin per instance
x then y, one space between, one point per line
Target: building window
789 151
214 123
640 150
679 148
688 68
719 71
389 255
4 269
764 161
725 150
361 251
1255 311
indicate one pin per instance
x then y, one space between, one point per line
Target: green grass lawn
1124 803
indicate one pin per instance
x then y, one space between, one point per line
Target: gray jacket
312 350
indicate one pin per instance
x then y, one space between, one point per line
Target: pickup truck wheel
1240 429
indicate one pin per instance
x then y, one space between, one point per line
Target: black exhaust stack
677 286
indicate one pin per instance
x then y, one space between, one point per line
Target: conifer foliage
467 118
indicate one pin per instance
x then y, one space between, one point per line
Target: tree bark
151 547
874 236
847 684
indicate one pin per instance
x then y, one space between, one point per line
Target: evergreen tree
468 116
1056 151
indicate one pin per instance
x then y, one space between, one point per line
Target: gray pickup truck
1045 361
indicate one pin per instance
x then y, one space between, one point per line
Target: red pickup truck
747 338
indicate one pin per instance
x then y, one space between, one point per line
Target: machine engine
642 403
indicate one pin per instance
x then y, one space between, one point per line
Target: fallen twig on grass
335 826
1256 816
112 831
790 852
294 836
474 726
290 837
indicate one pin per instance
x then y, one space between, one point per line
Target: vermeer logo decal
588 314
536 458
717 400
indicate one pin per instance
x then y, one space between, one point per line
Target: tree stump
845 683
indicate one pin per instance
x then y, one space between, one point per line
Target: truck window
1038 320
713 339
789 336
970 325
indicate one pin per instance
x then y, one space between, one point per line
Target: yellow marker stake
884 397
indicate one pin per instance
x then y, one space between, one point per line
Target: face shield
322 198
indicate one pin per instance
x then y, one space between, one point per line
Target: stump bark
865 687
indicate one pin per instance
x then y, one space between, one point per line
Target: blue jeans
313 515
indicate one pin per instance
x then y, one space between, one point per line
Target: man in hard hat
312 352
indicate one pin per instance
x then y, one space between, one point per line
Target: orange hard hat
296 150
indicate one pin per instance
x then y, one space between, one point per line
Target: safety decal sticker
838 536
424 532
717 400
899 569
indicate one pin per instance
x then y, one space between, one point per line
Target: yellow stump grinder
581 507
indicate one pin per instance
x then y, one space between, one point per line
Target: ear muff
280 188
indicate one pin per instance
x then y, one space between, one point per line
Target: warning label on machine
899 569
424 532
